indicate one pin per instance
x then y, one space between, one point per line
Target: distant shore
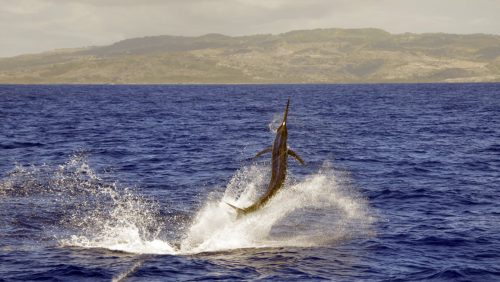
320 56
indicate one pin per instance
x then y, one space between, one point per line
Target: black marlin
280 152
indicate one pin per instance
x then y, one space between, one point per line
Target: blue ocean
130 183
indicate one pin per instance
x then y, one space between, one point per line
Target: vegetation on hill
305 56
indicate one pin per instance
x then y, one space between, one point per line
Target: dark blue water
424 160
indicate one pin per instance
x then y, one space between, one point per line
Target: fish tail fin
239 211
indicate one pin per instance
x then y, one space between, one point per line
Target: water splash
318 209
275 123
89 211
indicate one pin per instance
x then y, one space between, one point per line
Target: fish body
279 165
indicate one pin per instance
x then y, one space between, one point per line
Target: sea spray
85 210
275 123
246 185
114 217
317 209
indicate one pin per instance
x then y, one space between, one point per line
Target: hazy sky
28 26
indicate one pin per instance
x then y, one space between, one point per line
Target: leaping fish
280 152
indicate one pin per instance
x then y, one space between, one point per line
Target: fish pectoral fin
296 156
266 150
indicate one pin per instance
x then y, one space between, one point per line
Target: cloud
38 25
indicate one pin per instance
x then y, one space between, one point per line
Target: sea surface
130 183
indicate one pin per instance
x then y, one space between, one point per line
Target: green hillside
308 56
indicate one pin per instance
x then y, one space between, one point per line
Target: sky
32 26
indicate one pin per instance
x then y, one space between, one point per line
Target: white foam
339 212
318 209
126 239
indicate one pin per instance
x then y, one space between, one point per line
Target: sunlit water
131 183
